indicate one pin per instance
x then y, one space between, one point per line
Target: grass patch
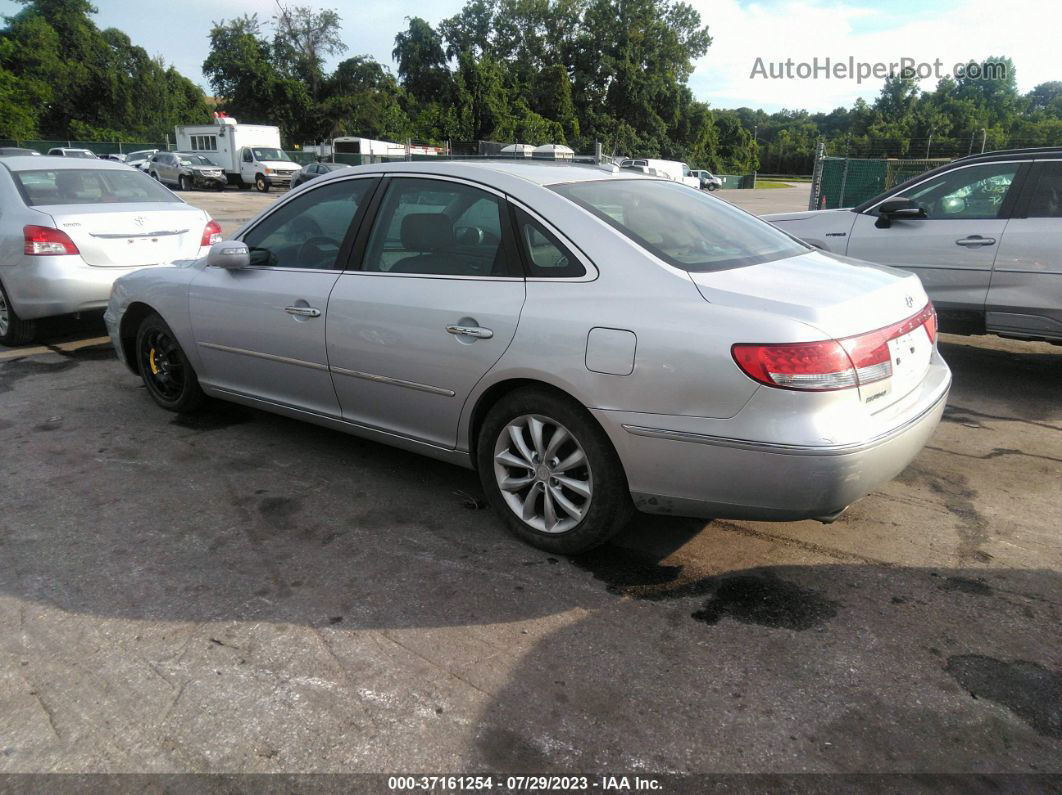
770 183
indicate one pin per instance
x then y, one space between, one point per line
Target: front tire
261 183
550 471
182 183
167 374
13 329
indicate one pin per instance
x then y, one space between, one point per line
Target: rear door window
1046 198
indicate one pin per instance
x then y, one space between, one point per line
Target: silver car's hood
802 215
837 295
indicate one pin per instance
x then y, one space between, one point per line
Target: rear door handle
974 241
303 311
478 332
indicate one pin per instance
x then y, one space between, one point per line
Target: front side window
1046 199
968 193
308 231
89 186
438 228
686 229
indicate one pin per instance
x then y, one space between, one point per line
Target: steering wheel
311 254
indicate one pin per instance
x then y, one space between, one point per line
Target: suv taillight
211 234
44 241
830 364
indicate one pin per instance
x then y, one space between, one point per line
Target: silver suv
984 233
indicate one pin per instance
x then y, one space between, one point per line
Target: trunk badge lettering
910 301
139 221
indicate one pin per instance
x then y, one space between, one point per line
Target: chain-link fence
96 147
848 181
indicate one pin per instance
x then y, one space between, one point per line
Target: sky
870 31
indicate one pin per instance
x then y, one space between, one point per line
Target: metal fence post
816 176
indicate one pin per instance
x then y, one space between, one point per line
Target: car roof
31 163
1031 153
538 173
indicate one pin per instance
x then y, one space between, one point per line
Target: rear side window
1046 199
88 186
682 226
545 255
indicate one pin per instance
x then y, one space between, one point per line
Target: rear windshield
680 225
89 186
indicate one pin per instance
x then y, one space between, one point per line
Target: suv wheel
549 469
182 182
13 329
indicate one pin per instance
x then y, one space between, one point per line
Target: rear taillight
830 364
211 234
44 241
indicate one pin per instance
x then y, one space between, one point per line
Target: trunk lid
125 236
840 297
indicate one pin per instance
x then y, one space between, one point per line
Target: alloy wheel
543 473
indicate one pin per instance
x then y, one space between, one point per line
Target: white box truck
249 153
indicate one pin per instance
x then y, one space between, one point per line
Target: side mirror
229 254
898 209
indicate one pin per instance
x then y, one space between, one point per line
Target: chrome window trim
267 356
383 379
455 277
1017 164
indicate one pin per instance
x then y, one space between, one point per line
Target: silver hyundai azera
589 340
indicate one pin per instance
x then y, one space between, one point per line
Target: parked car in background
60 151
984 234
313 170
709 181
588 339
69 228
17 151
115 156
140 159
187 170
671 169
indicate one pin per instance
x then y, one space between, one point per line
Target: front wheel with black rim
13 329
167 374
549 469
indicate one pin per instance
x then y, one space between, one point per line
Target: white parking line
73 345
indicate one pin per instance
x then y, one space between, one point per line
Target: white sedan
70 227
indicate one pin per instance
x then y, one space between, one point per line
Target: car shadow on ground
658 661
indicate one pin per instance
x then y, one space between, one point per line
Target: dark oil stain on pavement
1027 689
90 353
277 511
13 372
767 601
749 598
976 587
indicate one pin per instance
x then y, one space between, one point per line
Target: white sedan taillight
44 241
828 365
211 234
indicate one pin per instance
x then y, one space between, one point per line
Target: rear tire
572 495
167 373
261 184
13 329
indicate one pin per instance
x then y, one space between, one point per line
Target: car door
953 247
1025 295
429 305
260 330
247 165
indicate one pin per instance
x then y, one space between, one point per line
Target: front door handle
303 311
478 332
975 241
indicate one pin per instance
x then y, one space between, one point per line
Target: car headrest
427 232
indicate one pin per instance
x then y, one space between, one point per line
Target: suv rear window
680 225
88 186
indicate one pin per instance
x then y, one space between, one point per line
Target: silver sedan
591 341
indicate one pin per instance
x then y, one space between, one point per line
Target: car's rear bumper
49 286
686 473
